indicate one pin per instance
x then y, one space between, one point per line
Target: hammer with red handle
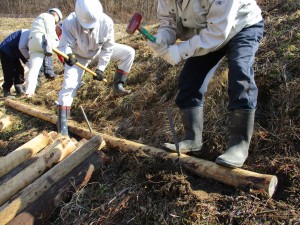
135 24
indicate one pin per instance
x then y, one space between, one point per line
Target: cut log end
272 186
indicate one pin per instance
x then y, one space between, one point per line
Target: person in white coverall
211 30
88 35
42 39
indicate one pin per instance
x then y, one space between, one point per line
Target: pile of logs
35 177
48 186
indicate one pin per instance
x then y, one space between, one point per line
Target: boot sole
226 164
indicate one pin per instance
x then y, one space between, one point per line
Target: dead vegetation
134 189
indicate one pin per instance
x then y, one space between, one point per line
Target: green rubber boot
242 123
192 119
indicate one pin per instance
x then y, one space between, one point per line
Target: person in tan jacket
42 39
211 30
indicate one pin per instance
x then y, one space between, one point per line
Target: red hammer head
134 23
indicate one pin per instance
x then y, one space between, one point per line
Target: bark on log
33 191
38 212
5 122
24 152
234 177
55 153
54 137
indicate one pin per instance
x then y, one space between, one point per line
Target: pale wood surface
240 178
33 191
24 152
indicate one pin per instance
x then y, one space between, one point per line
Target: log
54 154
33 191
5 122
239 178
38 212
32 160
24 152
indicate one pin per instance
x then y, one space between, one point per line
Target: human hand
100 75
159 47
172 55
72 60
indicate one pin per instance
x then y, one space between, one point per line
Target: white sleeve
107 49
67 39
50 28
23 43
167 28
220 21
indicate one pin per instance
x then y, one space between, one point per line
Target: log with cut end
33 191
54 154
24 152
5 122
38 212
234 177
54 137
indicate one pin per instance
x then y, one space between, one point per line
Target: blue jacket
10 45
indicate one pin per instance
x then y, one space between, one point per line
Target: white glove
172 55
159 47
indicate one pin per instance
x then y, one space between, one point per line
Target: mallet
134 24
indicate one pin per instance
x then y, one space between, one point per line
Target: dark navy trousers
13 71
240 52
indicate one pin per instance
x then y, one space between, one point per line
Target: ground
135 189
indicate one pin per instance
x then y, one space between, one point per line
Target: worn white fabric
43 25
35 63
23 43
158 49
88 43
123 56
205 25
172 55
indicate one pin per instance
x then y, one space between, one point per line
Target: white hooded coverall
89 45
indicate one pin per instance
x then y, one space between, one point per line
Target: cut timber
234 177
38 212
55 153
54 137
21 154
5 122
33 191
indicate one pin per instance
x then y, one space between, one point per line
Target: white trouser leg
35 61
72 78
123 55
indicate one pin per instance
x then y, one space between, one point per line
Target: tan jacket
44 24
205 25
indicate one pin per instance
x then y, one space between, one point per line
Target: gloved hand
159 47
72 59
172 55
100 75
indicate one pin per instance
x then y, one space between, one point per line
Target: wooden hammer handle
77 63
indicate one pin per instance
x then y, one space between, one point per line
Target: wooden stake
33 191
240 178
55 153
21 154
38 212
